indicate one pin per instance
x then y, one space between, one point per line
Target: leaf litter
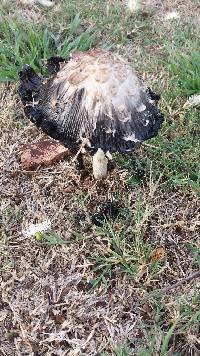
48 304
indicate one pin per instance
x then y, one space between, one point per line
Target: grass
124 247
184 62
179 164
185 69
86 289
112 24
183 324
49 239
178 141
21 44
5 261
9 216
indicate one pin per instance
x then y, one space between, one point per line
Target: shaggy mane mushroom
94 99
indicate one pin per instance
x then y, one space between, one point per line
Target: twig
148 145
182 281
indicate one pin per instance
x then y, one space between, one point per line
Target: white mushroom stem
100 165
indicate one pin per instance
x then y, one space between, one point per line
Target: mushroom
94 101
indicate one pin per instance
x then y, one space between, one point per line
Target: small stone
42 153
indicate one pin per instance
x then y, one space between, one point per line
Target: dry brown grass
47 306
32 11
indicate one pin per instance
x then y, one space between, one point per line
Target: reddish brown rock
43 152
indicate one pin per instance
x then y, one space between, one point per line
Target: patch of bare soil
47 306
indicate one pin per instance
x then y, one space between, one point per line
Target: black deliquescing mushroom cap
96 96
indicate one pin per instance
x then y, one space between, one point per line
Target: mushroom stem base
100 165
